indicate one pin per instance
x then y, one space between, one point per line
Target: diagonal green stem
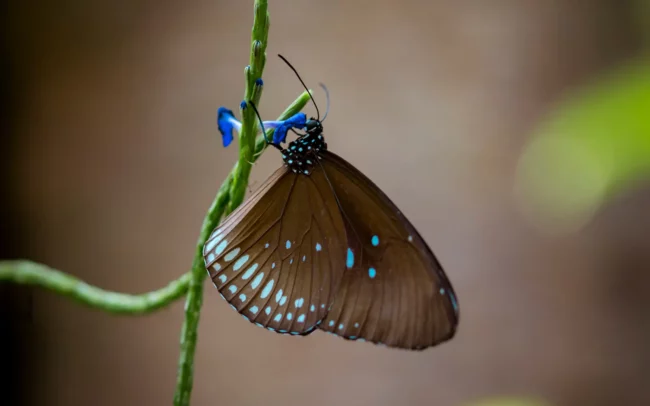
194 299
31 273
230 195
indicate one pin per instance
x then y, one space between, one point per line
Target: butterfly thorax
301 153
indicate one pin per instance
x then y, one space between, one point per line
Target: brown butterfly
319 245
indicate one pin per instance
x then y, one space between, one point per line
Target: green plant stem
35 274
194 299
252 93
230 195
31 273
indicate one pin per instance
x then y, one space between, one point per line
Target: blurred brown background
114 157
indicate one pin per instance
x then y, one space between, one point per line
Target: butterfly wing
394 290
279 258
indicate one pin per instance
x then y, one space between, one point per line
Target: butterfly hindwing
279 258
394 290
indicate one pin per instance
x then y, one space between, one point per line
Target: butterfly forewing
394 290
279 258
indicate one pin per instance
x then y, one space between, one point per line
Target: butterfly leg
269 142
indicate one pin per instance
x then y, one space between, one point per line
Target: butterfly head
314 126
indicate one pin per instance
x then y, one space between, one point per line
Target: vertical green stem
195 291
232 191
230 195
194 299
253 92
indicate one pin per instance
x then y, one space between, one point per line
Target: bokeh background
112 157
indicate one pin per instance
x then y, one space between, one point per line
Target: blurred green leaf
509 401
595 146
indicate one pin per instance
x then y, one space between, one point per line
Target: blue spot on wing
375 240
453 302
350 260
372 273
297 121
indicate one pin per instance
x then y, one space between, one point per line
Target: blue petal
297 121
226 122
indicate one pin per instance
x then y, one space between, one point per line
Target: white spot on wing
254 309
250 271
299 302
232 288
267 310
222 246
258 279
242 297
222 278
240 262
232 254
278 296
301 318
210 245
278 317
267 289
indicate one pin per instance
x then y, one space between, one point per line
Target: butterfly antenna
257 113
303 84
327 107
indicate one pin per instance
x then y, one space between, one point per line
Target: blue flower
227 122
281 127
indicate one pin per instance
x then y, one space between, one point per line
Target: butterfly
320 246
